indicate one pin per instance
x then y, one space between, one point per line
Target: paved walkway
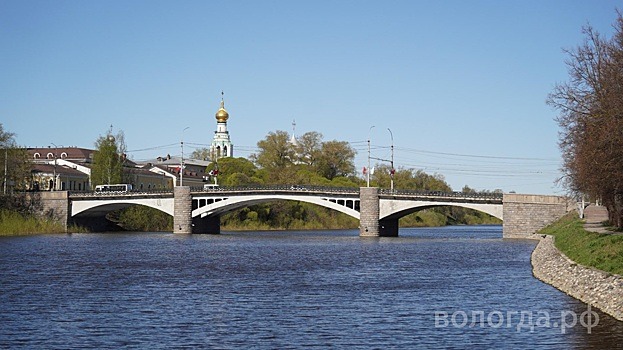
594 216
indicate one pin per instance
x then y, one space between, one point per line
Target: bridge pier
182 210
369 212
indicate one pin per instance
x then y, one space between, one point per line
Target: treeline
591 119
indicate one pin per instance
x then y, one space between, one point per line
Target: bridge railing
471 195
75 194
293 188
279 188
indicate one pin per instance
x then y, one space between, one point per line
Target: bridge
195 210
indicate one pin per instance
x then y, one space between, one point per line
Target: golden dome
222 115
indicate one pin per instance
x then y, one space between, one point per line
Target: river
449 287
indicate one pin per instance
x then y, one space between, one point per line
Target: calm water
282 290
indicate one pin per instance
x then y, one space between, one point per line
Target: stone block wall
526 214
369 212
55 205
182 210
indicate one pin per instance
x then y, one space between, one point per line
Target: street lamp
368 172
391 171
182 161
54 179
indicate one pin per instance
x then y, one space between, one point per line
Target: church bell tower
221 144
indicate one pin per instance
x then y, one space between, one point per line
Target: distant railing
471 195
278 188
295 188
143 192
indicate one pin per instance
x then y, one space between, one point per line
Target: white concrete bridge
198 211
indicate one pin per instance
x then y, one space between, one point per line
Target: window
37 155
63 155
50 156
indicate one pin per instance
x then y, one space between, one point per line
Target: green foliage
142 218
14 223
601 251
286 216
108 159
17 163
276 151
336 158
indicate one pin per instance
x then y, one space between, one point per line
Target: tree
108 159
201 153
591 119
308 147
336 158
14 162
276 153
236 172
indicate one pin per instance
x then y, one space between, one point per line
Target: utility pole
368 172
54 179
182 161
392 170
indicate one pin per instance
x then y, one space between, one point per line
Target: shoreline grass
16 224
603 251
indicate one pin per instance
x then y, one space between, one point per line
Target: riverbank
593 276
16 224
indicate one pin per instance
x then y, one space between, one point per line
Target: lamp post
391 171
182 161
368 172
54 179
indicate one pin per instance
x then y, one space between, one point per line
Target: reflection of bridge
198 211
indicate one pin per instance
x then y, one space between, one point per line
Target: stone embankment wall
55 205
525 214
597 288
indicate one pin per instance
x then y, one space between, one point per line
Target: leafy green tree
236 172
275 151
14 162
308 146
108 159
336 158
410 179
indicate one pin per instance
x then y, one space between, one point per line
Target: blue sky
461 84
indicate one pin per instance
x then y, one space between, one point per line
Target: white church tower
221 144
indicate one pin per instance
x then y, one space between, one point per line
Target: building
221 144
60 168
170 167
69 168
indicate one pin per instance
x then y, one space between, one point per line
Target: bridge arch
216 205
392 209
99 207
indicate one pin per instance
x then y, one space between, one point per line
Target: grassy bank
13 224
601 251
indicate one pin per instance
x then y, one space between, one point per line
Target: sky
460 86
